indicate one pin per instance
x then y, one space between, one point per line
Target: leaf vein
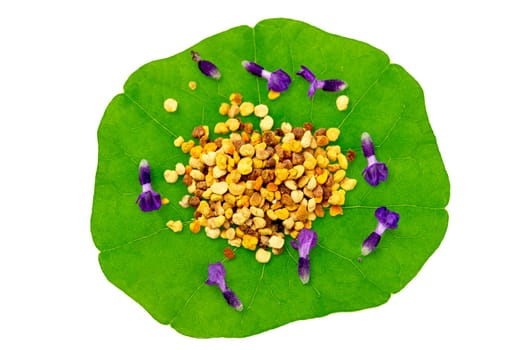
351 261
392 205
148 114
186 303
255 60
374 83
133 241
394 125
252 298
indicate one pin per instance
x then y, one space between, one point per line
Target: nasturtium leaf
165 271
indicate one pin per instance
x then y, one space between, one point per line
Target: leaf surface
165 271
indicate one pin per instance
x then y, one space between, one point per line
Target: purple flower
278 81
216 276
326 85
206 67
375 172
306 240
386 219
148 200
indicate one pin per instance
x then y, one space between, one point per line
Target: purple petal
387 218
307 74
144 172
206 67
149 201
233 300
375 173
316 84
306 240
311 91
304 270
367 145
333 85
253 68
217 275
326 85
279 81
209 69
370 243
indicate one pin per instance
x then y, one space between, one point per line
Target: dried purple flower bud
386 219
148 200
216 276
326 85
375 172
278 81
206 67
306 240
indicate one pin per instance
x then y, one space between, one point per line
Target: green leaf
165 271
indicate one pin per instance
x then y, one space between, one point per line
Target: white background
62 62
